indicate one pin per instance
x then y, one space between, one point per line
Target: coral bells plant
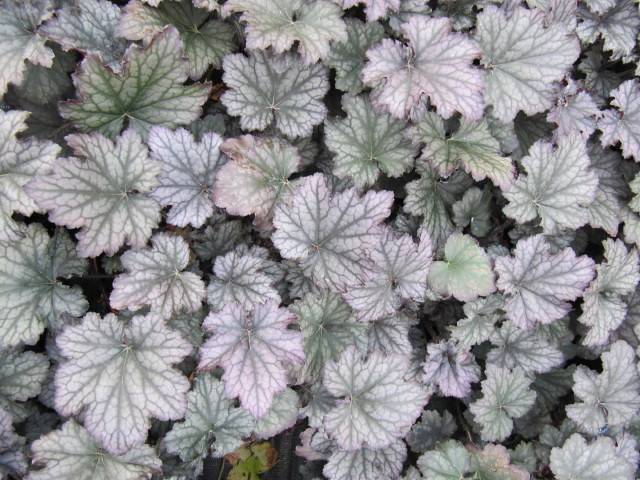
319 239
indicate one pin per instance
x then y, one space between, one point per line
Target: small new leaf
155 276
465 272
623 125
452 369
539 285
506 394
119 376
103 194
254 347
381 405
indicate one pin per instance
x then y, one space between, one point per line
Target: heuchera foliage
393 239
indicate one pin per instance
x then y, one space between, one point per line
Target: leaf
21 377
13 461
189 168
71 452
574 112
391 334
88 26
250 461
604 308
506 394
579 460
538 285
212 424
523 59
347 57
103 194
282 415
436 65
380 407
558 188
466 271
366 463
479 323
156 277
367 143
328 327
243 279
32 293
280 89
147 92
327 233
279 24
254 347
471 147
19 39
452 369
398 275
608 399
493 463
618 27
450 461
256 177
605 210
206 41
621 125
432 429
429 197
20 160
119 376
527 349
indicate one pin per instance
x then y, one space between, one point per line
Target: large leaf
205 40
212 424
610 398
275 89
20 160
88 26
604 308
104 194
558 188
328 232
435 65
281 23
189 168
523 58
71 452
348 57
155 276
254 347
19 39
256 177
398 275
622 125
366 143
506 394
366 463
471 147
32 295
119 376
377 406
465 271
328 327
579 460
539 285
147 92
452 369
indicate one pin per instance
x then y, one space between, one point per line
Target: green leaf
32 294
206 41
21 377
147 92
367 142
450 461
471 147
506 394
473 210
249 462
466 271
